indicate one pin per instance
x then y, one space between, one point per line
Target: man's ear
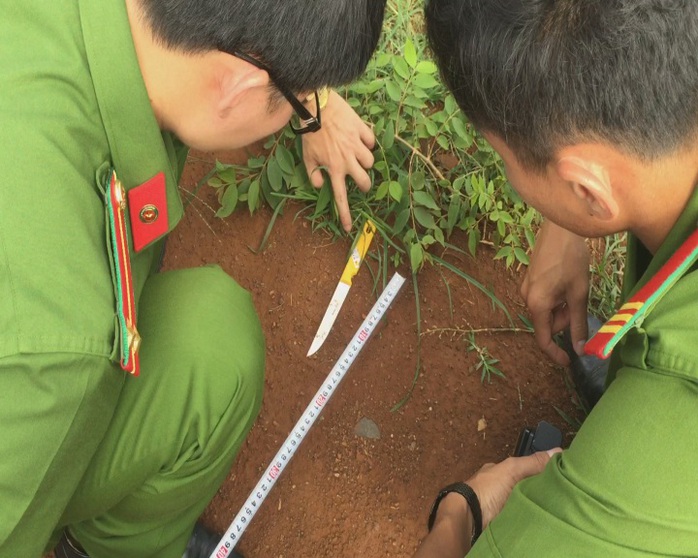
591 183
236 78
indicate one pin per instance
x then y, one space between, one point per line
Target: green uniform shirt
627 486
70 108
72 105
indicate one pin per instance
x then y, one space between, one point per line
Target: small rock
366 428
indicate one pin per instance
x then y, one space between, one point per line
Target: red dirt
342 495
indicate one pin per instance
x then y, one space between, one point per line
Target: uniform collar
138 148
675 257
682 229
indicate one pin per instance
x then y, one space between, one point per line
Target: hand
556 289
343 145
450 536
493 483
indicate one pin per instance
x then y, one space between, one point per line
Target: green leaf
424 199
426 67
228 175
410 53
473 241
382 190
395 190
416 256
432 127
504 252
424 217
450 105
286 160
501 228
300 177
401 221
425 81
521 255
374 86
275 176
453 213
401 68
253 196
389 136
256 162
459 128
215 182
383 59
530 237
418 180
323 200
269 195
393 90
228 202
439 236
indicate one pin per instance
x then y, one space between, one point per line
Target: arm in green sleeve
54 410
627 487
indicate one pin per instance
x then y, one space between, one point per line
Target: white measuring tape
284 455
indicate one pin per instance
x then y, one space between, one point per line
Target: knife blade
342 289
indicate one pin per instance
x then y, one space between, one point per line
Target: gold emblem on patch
149 214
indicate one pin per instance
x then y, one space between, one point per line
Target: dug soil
345 495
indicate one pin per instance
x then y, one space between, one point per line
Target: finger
312 167
525 284
579 332
365 158
524 467
561 319
544 338
360 176
339 188
556 353
317 179
367 136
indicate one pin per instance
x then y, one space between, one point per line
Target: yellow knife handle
358 253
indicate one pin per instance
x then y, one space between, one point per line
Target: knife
340 293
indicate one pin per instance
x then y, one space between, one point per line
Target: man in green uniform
97 100
593 107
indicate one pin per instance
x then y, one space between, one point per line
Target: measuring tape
288 448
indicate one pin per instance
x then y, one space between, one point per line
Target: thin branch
423 157
460 332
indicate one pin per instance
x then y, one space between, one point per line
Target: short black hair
542 74
306 43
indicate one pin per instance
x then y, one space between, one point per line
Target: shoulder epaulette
636 308
125 303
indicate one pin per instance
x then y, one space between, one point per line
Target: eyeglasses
306 121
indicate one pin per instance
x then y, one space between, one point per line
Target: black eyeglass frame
309 123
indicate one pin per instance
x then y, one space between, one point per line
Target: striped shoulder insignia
125 303
638 306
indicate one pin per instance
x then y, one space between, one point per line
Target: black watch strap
470 497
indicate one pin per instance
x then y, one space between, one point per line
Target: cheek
281 116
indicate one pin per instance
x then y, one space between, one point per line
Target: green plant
433 177
486 363
608 263
433 174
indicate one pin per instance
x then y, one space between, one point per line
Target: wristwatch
473 503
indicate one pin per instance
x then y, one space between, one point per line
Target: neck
173 79
667 187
